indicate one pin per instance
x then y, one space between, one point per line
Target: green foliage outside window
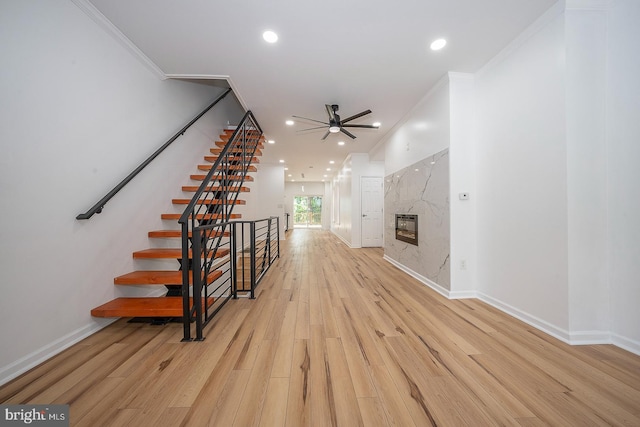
307 210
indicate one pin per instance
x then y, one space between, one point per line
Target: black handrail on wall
97 208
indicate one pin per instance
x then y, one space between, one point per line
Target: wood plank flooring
338 337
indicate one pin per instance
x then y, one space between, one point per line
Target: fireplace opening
407 228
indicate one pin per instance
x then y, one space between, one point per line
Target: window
307 211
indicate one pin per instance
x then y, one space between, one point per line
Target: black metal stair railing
257 246
205 224
259 239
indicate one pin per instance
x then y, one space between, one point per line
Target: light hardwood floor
338 336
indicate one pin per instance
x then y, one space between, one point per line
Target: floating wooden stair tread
208 202
233 150
194 188
213 159
249 168
247 178
144 307
243 154
248 135
249 145
250 129
169 253
230 167
177 216
250 142
164 234
158 277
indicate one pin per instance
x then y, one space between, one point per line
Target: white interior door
372 197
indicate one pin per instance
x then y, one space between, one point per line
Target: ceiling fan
336 124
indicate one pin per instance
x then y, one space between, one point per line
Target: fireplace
407 228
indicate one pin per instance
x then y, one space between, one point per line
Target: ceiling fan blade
312 120
325 136
362 126
346 132
330 112
319 127
364 113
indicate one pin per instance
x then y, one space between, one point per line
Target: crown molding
92 12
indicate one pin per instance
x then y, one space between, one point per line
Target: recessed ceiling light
325 176
281 161
328 169
331 162
289 175
289 122
271 141
269 36
340 142
438 44
286 169
376 124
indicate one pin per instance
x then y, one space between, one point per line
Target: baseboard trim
35 358
430 283
626 343
589 337
571 338
546 327
342 239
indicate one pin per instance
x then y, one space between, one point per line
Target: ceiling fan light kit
336 124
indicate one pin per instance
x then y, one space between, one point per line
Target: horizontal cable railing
97 208
218 279
258 246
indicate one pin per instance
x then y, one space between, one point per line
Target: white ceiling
371 54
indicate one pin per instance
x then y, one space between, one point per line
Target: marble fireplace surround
421 189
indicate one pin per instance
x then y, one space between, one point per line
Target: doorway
307 212
372 203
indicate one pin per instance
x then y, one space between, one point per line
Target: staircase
214 203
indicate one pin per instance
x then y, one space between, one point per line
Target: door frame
380 203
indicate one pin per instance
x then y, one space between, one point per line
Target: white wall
623 173
423 132
343 186
556 174
266 195
585 45
522 178
462 167
545 140
355 166
78 113
293 189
